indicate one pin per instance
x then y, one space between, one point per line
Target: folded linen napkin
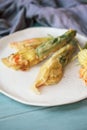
19 14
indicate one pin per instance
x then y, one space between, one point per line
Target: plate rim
42 104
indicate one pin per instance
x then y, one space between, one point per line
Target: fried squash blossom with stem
52 70
27 57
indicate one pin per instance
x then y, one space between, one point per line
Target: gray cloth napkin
19 14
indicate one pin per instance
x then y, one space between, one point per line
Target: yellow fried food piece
52 71
21 60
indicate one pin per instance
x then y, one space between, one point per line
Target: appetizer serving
26 57
17 85
51 71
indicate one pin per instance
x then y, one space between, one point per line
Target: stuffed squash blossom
52 71
29 56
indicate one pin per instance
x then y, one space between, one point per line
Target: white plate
17 84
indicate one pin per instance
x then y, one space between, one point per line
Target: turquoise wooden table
17 116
